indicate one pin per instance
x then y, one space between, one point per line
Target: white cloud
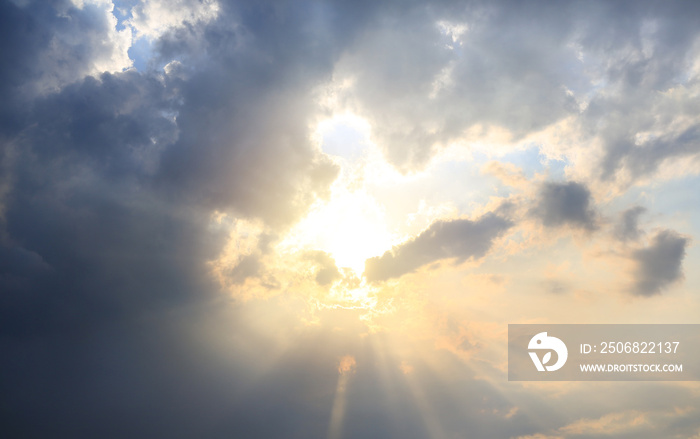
154 17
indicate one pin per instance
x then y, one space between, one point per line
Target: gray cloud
641 157
627 229
248 266
327 271
47 45
517 67
648 52
106 208
110 178
560 204
44 45
556 286
461 239
427 85
660 264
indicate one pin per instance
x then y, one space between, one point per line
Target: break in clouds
125 125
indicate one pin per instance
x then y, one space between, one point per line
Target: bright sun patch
351 226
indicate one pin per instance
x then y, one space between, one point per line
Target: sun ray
346 368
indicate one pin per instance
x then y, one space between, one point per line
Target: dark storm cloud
48 44
107 188
116 125
81 198
40 52
627 229
461 239
110 179
560 204
660 264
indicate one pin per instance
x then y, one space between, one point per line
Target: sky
316 219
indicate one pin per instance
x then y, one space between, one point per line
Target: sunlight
351 226
346 368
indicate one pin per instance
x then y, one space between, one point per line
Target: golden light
346 367
351 226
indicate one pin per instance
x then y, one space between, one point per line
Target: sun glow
351 226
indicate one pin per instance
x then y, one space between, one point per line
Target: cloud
110 182
612 423
555 286
461 239
47 45
624 77
660 264
153 18
428 85
109 306
106 215
628 229
248 266
649 423
111 178
508 173
647 115
561 204
83 198
114 126
327 271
